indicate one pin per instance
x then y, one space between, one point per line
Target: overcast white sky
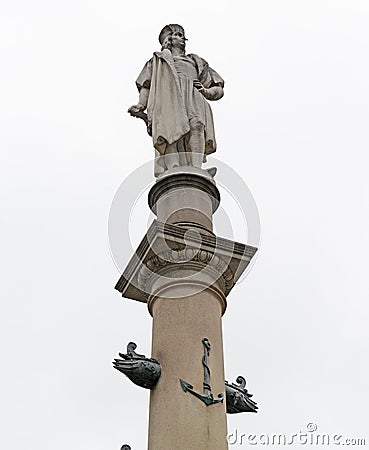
293 123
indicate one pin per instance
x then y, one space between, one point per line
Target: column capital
170 253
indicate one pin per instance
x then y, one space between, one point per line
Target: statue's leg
158 164
197 142
171 156
185 158
184 152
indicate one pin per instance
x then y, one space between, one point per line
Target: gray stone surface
174 89
179 325
181 269
185 197
208 259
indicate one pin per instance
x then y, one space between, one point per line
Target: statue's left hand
198 86
212 93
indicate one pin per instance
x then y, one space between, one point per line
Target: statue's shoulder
164 54
156 55
200 62
207 75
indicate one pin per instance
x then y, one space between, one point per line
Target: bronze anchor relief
207 396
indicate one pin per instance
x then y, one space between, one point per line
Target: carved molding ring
189 258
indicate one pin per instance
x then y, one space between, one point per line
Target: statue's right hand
134 109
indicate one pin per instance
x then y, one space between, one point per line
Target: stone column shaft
179 420
187 306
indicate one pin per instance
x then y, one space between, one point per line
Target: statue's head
172 35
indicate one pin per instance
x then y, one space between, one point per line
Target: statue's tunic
174 101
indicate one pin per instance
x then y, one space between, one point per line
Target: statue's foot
191 170
158 171
212 171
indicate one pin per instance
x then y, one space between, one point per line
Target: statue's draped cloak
173 100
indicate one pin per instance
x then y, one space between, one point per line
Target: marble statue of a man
174 88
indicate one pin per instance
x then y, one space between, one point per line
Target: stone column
184 273
179 420
187 304
185 198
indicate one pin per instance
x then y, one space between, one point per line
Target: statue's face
178 39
